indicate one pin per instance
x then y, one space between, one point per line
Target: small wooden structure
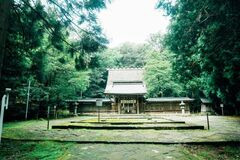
206 105
88 105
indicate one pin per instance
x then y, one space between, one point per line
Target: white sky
131 21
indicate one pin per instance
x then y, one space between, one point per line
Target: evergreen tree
204 35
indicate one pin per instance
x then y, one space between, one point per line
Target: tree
66 11
159 76
204 36
4 16
132 55
40 47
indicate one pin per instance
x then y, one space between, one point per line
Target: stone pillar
75 109
137 106
183 110
55 111
119 105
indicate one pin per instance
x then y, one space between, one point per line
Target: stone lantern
99 104
221 105
182 106
75 109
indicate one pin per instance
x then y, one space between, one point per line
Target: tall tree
42 40
131 55
160 78
204 35
67 12
4 16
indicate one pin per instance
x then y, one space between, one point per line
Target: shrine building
127 89
125 94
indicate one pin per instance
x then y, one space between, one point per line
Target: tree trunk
5 6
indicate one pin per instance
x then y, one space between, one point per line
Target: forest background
59 47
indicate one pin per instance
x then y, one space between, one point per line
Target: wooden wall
164 107
147 107
88 107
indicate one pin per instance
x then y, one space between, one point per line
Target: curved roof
126 81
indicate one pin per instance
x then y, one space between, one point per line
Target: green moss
33 150
211 152
188 155
47 151
232 151
23 124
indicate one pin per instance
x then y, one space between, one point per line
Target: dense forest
204 36
50 44
58 47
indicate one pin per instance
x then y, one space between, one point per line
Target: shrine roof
126 81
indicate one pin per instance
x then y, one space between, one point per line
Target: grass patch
47 150
23 124
44 150
212 152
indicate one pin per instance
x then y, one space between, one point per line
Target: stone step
130 123
126 127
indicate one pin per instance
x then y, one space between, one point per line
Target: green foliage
110 58
40 48
97 83
132 55
159 76
205 39
125 55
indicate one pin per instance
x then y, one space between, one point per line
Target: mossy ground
212 152
18 150
47 150
221 129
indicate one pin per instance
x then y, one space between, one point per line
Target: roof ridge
126 68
